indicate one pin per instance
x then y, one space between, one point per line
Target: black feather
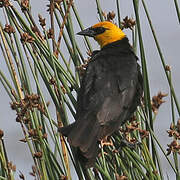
110 93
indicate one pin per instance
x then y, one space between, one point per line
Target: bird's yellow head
104 33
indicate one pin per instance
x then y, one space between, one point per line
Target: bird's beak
87 32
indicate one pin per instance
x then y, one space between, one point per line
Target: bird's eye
99 30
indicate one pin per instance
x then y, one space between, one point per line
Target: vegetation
36 57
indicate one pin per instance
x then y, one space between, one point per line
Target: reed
38 57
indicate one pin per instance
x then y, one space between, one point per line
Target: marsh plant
42 56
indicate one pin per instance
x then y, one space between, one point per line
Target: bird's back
110 92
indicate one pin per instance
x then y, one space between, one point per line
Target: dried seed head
52 81
32 132
130 128
13 105
104 14
128 23
25 37
111 15
9 29
174 143
45 135
168 68
168 151
171 133
33 173
37 32
178 125
42 21
173 147
26 120
18 119
89 53
24 106
157 101
11 166
143 133
4 3
50 33
24 5
34 29
38 154
48 103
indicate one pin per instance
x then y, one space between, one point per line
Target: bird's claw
106 142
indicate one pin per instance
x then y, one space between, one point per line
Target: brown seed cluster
9 29
38 155
11 166
109 16
82 68
50 33
134 126
33 133
128 23
143 133
25 37
25 105
42 21
106 142
37 32
24 5
56 5
53 82
34 171
168 68
157 101
4 3
173 147
174 132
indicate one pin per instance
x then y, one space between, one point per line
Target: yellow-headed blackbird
110 90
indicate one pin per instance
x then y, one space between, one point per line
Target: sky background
166 25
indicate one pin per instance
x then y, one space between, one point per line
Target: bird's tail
84 136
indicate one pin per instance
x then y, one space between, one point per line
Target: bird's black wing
107 98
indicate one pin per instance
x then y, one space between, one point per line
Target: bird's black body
110 93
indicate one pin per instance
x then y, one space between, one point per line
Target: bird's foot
106 142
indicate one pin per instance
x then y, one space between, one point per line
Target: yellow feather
112 34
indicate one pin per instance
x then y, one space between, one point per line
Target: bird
110 91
